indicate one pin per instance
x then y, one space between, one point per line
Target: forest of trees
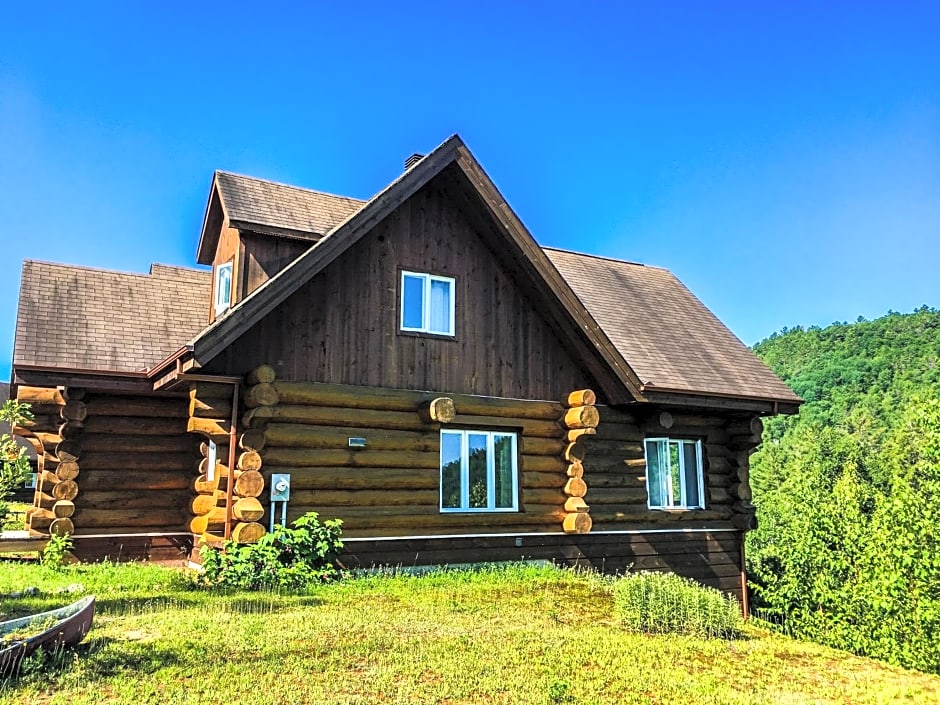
847 549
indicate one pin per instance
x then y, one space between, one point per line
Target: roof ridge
291 186
121 272
604 257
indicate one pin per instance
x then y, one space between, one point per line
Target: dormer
254 228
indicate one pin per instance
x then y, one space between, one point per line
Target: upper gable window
223 288
674 474
427 303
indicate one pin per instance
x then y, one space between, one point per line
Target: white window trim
465 507
223 306
426 303
667 490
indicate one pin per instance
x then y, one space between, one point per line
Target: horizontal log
613 415
367 498
247 509
576 504
221 451
575 487
247 532
139 407
741 490
118 499
205 503
438 410
130 460
543 446
249 483
71 429
73 411
323 478
616 495
544 496
377 398
132 425
577 523
252 439
420 517
582 397
211 408
621 448
391 558
529 427
133 480
217 431
581 417
354 458
262 374
598 480
67 470
66 489
40 395
130 518
249 460
717 495
543 463
260 395
752 427
213 520
619 432
640 513
61 509
543 480
68 450
294 435
123 443
575 434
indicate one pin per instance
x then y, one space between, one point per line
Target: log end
577 523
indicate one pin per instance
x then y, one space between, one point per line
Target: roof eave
762 405
205 250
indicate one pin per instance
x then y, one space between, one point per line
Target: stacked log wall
615 468
54 432
226 503
135 461
391 487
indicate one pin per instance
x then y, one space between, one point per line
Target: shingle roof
78 317
669 338
307 214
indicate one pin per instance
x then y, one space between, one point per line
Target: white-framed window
223 288
674 477
427 303
479 471
31 480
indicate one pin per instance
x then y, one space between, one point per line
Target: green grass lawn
506 635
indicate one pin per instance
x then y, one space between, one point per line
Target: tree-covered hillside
847 550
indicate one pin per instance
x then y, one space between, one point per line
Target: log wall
392 486
615 468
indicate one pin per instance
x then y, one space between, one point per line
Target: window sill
422 334
479 511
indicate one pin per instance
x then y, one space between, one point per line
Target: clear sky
783 159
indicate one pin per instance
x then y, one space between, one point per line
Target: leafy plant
55 554
284 559
14 465
662 603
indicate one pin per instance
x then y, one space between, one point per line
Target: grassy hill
507 635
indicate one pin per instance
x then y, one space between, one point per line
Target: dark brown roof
671 340
258 204
94 319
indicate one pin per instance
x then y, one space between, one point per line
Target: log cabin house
416 365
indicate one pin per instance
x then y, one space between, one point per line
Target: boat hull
71 624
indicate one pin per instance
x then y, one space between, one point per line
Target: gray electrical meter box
280 488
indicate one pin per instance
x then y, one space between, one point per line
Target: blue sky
783 159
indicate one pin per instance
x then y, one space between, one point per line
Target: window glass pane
223 290
503 449
450 470
412 302
690 454
654 473
440 307
675 478
477 465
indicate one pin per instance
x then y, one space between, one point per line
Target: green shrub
661 603
55 554
14 465
284 559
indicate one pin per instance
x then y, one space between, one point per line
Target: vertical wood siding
343 325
